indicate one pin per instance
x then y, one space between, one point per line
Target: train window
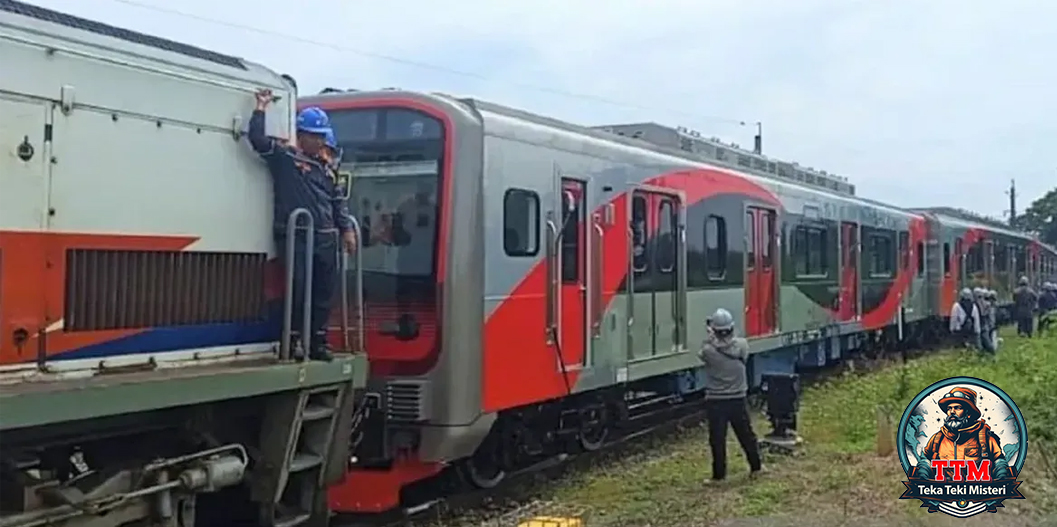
405 125
521 224
946 257
716 247
809 251
958 253
750 240
638 227
665 253
1020 262
571 246
1001 258
767 238
904 250
882 255
974 259
921 258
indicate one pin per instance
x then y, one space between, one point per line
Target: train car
526 282
139 378
981 252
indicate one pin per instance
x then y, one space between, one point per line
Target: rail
292 228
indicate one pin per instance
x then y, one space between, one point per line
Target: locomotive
526 282
141 376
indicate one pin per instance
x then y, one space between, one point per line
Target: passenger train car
525 279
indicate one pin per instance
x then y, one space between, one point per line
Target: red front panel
752 276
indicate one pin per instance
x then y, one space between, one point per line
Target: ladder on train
298 461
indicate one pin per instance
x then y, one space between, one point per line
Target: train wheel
483 469
593 435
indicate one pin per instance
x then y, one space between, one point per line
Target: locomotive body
524 279
137 343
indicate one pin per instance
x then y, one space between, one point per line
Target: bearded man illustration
963 436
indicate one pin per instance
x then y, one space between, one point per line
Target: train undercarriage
259 460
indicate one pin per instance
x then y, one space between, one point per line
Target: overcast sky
918 103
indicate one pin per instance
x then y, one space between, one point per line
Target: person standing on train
987 319
965 319
303 177
726 388
1024 304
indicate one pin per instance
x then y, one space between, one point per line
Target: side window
767 238
809 251
521 223
716 247
882 255
750 240
904 250
1001 258
665 253
921 259
946 257
641 256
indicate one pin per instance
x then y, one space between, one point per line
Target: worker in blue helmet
332 151
303 176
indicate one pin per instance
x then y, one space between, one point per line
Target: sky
937 103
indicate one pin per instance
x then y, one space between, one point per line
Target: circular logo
962 443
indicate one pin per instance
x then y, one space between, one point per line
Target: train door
761 298
849 277
572 283
24 171
656 291
961 280
667 264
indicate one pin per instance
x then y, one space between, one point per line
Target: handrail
359 290
292 227
599 279
553 279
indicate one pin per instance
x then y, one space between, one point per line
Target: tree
1041 217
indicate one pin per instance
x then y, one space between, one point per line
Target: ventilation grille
136 289
404 401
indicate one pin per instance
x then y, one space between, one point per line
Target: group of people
973 317
1029 306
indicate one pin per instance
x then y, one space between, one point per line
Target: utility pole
758 143
1012 202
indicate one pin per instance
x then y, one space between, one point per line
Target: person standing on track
726 388
303 176
1024 304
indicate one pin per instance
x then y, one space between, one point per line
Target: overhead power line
428 66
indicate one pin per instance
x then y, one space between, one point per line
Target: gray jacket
725 375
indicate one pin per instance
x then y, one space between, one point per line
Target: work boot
320 352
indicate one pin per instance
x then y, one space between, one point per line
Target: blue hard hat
332 141
313 120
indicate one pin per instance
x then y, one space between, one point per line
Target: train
525 281
142 376
521 286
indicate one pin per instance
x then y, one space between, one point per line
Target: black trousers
736 413
324 262
1025 325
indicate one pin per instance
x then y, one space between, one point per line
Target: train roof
773 178
967 218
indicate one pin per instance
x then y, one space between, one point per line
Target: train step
298 459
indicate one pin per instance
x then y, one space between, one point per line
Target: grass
837 475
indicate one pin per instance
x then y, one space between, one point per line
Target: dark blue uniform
303 181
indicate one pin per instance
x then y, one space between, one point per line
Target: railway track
449 496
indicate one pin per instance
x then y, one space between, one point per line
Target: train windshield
394 155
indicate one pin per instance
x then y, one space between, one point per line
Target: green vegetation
1041 217
837 474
